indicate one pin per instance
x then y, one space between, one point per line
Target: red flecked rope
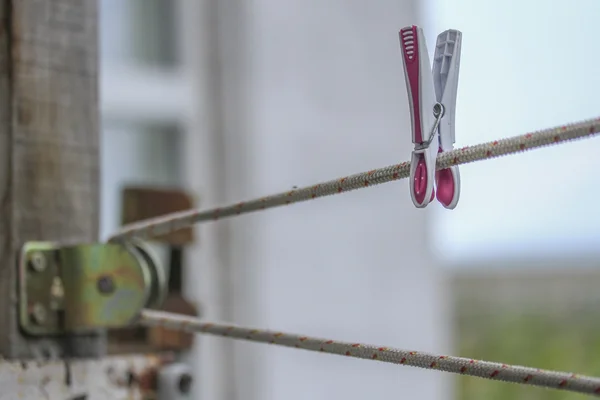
173 222
464 366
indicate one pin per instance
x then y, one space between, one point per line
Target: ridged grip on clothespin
421 99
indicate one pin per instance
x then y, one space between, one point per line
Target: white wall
312 90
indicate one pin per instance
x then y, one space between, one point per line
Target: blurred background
234 99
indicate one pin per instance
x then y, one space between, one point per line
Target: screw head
105 284
39 313
38 261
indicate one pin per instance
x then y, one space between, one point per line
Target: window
139 32
524 67
142 99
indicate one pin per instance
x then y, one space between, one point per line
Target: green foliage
567 343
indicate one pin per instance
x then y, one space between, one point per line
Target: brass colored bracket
83 288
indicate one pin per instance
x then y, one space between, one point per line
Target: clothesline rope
483 369
464 366
172 222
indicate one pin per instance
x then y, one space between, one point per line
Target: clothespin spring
438 113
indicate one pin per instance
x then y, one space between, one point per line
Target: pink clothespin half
432 100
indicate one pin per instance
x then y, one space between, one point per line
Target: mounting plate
83 288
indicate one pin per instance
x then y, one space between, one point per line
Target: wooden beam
49 147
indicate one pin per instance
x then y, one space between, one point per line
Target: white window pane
154 32
115 31
135 155
524 67
138 32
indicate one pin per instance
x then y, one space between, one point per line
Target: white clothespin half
432 100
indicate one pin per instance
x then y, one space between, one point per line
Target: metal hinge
83 288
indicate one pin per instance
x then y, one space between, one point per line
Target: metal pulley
83 288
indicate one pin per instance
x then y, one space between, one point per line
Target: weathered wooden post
49 192
49 148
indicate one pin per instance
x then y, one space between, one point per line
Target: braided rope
483 369
464 366
173 222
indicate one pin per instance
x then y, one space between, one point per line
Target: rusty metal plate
81 288
141 203
107 378
169 339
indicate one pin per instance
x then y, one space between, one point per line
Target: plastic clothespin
432 100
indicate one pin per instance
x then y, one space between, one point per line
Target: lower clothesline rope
464 366
172 222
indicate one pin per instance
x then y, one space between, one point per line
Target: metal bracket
83 288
